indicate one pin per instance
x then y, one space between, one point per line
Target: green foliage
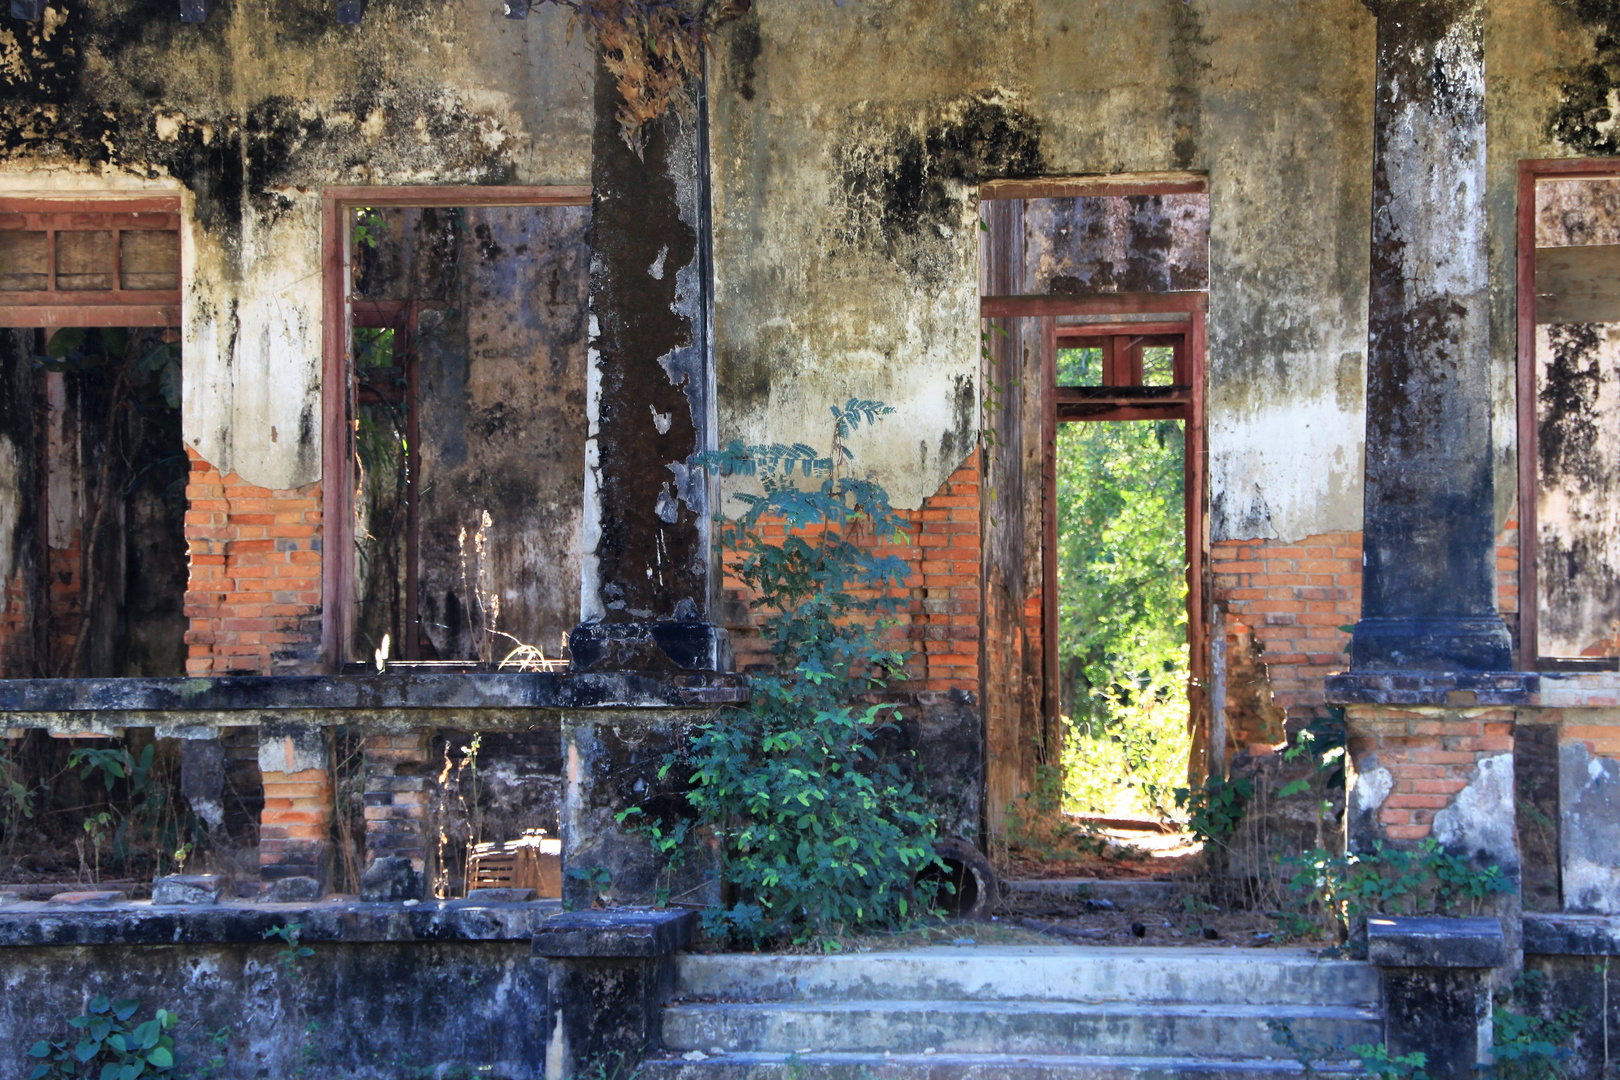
817 834
598 878
1346 888
289 934
369 226
1377 1064
1215 810
154 375
1122 615
1529 1045
107 1047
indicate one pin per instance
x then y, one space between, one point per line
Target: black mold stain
1569 418
58 110
746 48
1583 106
910 180
1186 72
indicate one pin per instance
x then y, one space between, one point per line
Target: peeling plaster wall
849 143
251 114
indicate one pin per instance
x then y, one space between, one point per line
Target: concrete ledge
1459 689
633 933
1416 942
45 924
1572 935
69 704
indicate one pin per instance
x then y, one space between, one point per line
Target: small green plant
289 934
1215 810
1529 1045
107 1047
598 878
1378 1065
818 834
1388 880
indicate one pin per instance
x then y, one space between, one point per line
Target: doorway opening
1122 573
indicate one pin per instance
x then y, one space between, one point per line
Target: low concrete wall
388 991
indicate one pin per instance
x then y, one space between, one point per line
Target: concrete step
1191 976
757 1066
1010 1027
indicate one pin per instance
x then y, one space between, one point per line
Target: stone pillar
608 976
396 815
649 590
1436 976
1428 588
202 779
295 827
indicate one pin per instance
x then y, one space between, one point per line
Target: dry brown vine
651 48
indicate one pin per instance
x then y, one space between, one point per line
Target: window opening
460 426
1568 598
93 552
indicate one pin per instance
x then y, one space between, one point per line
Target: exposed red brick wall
396 797
295 823
1284 604
1430 757
254 596
1507 576
941 622
16 642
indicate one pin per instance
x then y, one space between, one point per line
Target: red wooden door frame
1185 402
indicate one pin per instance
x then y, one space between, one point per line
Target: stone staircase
1030 1013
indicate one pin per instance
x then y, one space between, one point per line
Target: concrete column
649 594
1436 976
396 815
295 827
1429 598
608 975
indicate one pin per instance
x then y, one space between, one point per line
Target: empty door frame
1528 430
337 362
1118 401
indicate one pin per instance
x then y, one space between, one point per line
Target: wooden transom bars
103 261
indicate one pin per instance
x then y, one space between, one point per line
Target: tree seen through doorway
1122 623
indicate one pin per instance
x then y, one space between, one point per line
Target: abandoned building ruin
354 369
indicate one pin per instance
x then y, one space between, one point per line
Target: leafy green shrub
1529 1046
107 1047
817 834
1346 888
1378 1065
1215 810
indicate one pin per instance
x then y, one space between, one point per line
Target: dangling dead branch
651 47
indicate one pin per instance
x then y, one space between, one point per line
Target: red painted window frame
52 308
337 365
1529 457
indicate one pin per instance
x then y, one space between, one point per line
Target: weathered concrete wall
849 143
373 1010
251 113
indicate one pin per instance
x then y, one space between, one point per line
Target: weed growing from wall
817 835
107 1047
